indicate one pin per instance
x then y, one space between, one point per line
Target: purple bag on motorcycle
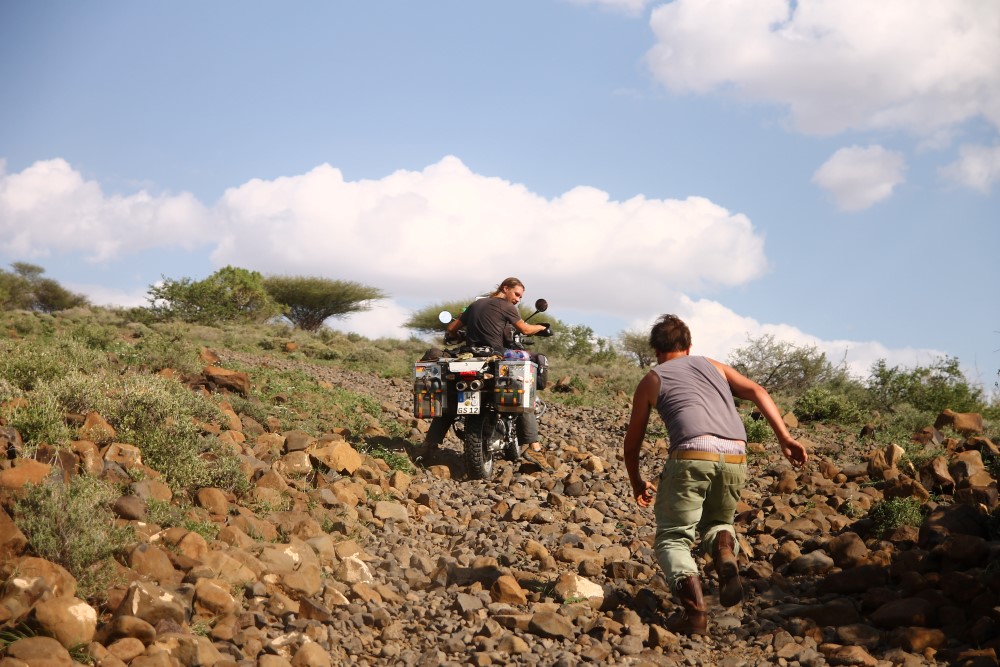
516 355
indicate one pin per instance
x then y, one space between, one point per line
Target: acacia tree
783 367
309 301
635 344
426 320
231 294
26 289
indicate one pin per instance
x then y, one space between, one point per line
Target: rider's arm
454 326
642 405
528 329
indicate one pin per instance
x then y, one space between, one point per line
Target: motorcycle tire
481 432
512 448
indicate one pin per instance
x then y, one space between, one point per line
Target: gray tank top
696 400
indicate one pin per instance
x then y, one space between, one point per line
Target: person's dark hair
508 283
670 334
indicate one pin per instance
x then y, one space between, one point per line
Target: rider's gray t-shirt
695 400
486 319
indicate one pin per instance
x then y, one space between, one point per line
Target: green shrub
72 525
40 421
95 336
394 460
167 515
785 368
894 513
159 416
27 364
901 423
758 430
8 391
367 358
931 388
819 404
230 294
157 350
26 324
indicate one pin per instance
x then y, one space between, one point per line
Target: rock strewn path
360 564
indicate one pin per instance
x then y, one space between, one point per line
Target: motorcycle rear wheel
481 434
512 446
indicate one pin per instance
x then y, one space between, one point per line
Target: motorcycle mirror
444 317
540 307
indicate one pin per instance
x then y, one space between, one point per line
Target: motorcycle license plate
468 402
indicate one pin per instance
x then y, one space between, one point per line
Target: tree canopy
426 319
635 345
783 367
24 288
230 294
308 300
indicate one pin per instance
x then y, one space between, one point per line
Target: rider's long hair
508 283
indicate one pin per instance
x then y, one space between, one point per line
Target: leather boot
693 618
730 586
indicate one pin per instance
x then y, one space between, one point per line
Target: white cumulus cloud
717 332
452 233
838 64
977 167
424 236
858 177
50 208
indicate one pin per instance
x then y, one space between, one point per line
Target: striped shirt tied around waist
712 444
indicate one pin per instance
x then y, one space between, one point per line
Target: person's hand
546 332
644 496
794 452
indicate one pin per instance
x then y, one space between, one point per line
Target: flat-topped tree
308 301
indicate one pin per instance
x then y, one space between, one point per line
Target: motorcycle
485 391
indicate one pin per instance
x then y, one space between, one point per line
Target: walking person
706 468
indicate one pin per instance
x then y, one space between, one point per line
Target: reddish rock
68 619
340 457
854 580
12 540
966 423
948 519
25 471
906 611
234 381
55 577
550 624
847 550
41 651
506 590
152 562
96 429
934 475
917 639
885 459
126 455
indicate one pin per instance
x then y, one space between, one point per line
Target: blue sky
824 171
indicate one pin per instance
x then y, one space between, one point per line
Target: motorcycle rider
485 321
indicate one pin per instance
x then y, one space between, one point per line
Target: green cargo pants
693 496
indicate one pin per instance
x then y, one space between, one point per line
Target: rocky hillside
337 557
